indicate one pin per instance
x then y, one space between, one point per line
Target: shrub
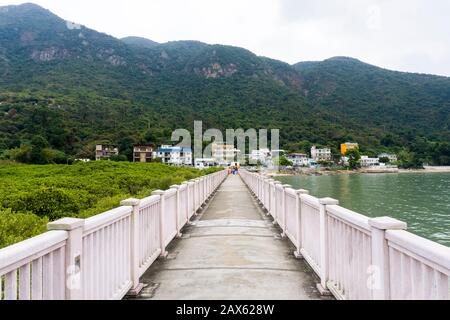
49 192
15 227
50 202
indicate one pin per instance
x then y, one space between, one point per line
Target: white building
392 157
321 154
174 155
369 162
262 155
298 159
203 163
224 154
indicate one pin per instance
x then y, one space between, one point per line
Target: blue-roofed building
174 155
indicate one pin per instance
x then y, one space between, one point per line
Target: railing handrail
432 251
106 218
149 201
291 192
30 249
349 216
310 200
170 192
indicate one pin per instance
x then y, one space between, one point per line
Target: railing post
74 254
193 196
258 189
284 208
380 283
198 195
177 208
262 194
134 250
269 200
262 181
210 186
162 238
187 202
277 210
203 182
323 203
298 222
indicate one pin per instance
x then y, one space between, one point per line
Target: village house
262 156
298 159
203 163
369 162
174 155
348 146
105 152
392 157
142 153
323 154
224 154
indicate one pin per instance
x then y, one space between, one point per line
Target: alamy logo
374 278
233 145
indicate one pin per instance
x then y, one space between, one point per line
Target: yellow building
348 146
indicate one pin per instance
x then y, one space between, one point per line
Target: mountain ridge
93 85
139 41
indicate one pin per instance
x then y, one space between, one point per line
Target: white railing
355 257
106 252
104 256
310 230
34 268
149 240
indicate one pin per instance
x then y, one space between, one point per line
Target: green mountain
75 87
395 101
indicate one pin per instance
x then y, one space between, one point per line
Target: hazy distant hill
75 86
139 42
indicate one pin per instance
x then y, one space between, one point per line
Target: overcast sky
405 35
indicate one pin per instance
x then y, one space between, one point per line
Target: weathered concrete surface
231 251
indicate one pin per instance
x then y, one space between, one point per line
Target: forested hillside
68 87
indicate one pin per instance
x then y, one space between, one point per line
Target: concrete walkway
231 251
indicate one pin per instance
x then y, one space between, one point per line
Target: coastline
312 172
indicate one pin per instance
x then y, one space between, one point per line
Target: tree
125 145
22 154
441 154
409 160
38 144
384 160
325 163
119 158
282 161
354 158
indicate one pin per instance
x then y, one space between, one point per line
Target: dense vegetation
32 195
75 87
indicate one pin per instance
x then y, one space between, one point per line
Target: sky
404 35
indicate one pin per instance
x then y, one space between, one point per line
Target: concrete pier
232 250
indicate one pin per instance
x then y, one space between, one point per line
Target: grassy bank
32 195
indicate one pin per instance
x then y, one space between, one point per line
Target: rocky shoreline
324 172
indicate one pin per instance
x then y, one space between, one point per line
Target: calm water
422 200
